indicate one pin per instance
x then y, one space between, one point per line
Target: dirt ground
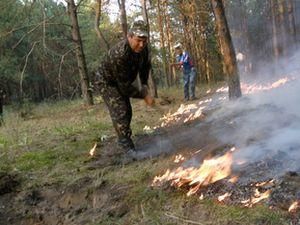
93 200
87 200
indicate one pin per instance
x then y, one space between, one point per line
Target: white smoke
266 123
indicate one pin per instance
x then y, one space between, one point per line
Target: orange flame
210 171
253 88
93 150
233 179
184 113
221 198
265 183
178 158
294 206
258 196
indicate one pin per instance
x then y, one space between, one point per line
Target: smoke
265 124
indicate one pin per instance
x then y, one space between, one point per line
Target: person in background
184 62
114 79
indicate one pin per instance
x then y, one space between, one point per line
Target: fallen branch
183 220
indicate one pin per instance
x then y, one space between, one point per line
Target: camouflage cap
139 28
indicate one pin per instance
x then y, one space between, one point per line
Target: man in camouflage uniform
115 76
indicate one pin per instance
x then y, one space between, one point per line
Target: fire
185 113
253 88
233 179
201 196
258 196
178 158
222 89
294 206
209 172
221 198
265 183
93 150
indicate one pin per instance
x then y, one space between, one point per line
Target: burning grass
49 150
223 180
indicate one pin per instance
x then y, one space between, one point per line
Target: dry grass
51 144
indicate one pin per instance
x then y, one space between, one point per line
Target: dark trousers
120 111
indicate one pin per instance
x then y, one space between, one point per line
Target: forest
228 156
38 51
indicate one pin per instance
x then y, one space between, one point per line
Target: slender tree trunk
201 45
244 30
274 30
123 17
162 44
85 83
97 23
282 27
292 23
170 43
1 107
227 49
151 82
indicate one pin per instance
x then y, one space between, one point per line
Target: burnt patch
8 182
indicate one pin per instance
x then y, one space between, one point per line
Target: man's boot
130 153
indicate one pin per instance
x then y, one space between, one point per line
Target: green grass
51 146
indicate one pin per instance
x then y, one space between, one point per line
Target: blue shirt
186 62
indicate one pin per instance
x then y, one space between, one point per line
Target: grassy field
47 146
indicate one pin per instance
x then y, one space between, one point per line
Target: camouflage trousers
120 111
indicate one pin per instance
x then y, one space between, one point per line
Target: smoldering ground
264 123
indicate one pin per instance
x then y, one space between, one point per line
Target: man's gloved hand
149 100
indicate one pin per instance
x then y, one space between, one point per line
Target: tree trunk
123 17
97 23
85 84
166 16
274 30
1 107
282 28
151 82
292 23
227 50
244 43
162 44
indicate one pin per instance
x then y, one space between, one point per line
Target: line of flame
209 172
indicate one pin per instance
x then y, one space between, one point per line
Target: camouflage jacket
120 67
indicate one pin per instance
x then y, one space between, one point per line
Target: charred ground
48 177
